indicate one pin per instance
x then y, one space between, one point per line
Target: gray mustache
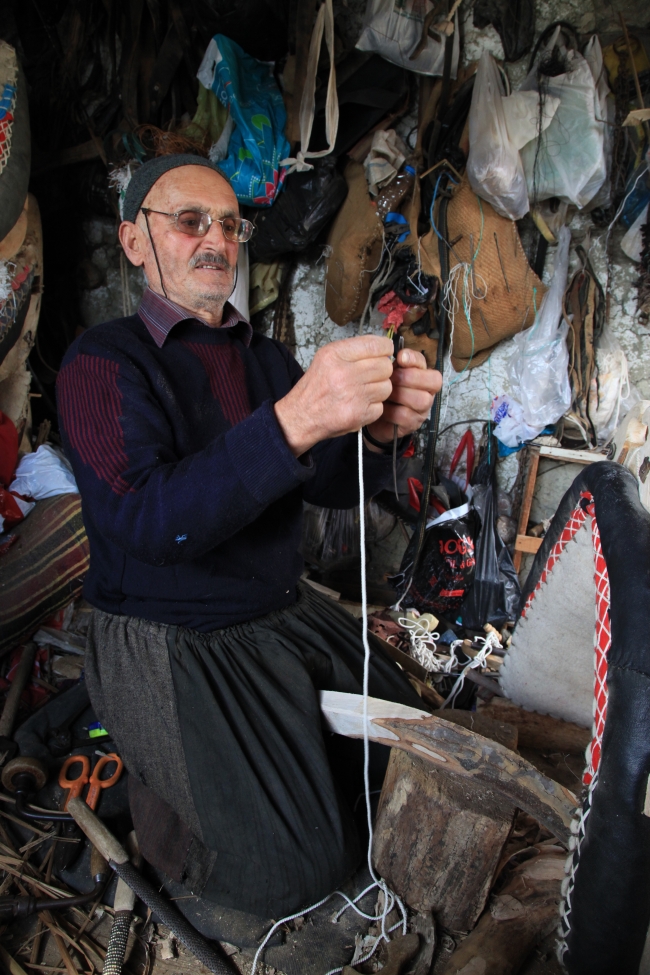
217 260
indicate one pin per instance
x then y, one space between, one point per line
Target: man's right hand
343 390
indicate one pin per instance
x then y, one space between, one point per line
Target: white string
490 642
390 898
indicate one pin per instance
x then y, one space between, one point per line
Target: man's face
197 272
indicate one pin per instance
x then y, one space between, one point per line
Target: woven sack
44 569
356 242
501 274
15 143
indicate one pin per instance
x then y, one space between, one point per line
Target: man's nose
216 237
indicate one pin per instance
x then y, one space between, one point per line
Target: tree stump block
438 839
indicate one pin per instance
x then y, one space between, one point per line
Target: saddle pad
550 664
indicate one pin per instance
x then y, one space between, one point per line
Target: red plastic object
466 444
415 494
8 450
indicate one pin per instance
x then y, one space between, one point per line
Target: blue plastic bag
257 142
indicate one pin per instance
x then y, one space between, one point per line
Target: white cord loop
324 22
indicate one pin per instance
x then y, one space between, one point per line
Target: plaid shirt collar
160 315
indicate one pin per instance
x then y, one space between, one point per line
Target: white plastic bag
632 243
393 28
521 110
494 168
606 114
44 474
510 427
568 159
539 368
611 395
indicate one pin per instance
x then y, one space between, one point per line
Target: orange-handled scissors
97 783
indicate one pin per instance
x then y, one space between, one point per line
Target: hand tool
95 781
118 860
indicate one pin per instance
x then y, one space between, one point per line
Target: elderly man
194 442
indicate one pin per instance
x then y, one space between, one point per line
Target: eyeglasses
195 223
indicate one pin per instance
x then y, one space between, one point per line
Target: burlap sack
505 289
356 242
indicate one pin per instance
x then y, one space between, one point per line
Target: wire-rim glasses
196 223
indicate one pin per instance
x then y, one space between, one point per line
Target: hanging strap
324 22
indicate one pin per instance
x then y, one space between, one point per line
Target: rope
480 660
390 899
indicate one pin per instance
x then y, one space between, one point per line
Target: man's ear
132 241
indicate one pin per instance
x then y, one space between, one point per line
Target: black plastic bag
446 566
495 593
308 202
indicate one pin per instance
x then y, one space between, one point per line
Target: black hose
13 907
169 915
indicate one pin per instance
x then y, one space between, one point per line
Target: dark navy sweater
191 497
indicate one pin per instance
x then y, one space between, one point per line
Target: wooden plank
528 543
539 731
449 747
437 843
527 500
573 456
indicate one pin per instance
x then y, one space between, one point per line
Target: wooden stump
438 839
524 911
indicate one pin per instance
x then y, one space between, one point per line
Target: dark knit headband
146 175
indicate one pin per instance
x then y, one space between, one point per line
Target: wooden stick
46 918
18 684
10 962
639 93
527 500
455 749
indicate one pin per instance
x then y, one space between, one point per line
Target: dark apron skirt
236 788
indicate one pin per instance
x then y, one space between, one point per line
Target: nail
406 358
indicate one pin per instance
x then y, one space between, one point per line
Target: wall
467 395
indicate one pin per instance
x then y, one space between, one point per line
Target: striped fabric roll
44 569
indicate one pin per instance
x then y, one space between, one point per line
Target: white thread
390 897
480 660
424 647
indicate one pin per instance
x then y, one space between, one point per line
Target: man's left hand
409 404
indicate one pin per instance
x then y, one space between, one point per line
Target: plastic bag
632 243
539 368
44 474
257 142
494 168
495 593
611 394
510 425
394 29
567 160
310 200
605 113
446 566
332 534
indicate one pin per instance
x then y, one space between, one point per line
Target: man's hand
344 388
411 398
351 384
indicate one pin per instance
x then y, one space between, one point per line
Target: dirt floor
152 950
